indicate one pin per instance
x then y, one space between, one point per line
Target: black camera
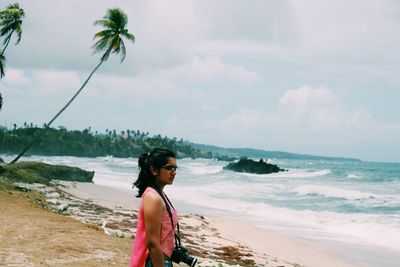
181 254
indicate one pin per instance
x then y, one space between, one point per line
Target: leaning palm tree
10 22
109 40
2 66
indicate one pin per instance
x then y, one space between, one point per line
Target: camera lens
180 254
189 260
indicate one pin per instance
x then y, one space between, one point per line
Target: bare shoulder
152 198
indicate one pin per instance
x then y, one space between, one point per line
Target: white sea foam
117 180
329 191
298 173
376 230
203 168
121 162
353 176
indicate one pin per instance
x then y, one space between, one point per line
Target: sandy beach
31 236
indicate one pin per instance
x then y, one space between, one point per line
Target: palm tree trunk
8 41
37 136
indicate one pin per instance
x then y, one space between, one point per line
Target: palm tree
2 66
10 22
110 41
1 101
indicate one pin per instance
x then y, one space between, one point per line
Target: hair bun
143 159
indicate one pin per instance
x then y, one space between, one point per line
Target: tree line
87 143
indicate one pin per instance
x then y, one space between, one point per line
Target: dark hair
157 158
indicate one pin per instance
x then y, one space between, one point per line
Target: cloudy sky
303 76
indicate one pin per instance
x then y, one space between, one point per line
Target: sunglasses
170 168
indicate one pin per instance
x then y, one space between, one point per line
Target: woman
154 240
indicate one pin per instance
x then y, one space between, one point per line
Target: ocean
351 205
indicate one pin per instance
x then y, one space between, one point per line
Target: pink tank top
140 251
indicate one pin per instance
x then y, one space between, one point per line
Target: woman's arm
153 208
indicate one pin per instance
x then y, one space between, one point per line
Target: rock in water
39 172
251 166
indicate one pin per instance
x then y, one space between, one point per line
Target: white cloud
305 98
55 81
138 88
211 68
209 108
266 20
164 84
343 25
16 77
305 119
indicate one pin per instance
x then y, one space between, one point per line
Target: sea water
353 205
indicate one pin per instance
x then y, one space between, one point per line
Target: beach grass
39 172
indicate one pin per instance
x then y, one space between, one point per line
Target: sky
315 77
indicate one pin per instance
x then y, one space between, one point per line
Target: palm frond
13 6
116 44
6 29
104 33
19 35
1 101
128 36
2 64
123 51
106 23
11 21
100 44
110 39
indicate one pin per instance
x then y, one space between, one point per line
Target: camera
181 254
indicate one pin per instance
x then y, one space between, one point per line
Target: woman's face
167 173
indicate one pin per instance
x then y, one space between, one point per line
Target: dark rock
251 166
38 172
2 163
23 187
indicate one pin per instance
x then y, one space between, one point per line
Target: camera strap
167 206
177 236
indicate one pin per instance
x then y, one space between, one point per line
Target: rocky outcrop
2 163
39 172
251 166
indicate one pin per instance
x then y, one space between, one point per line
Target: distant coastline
259 153
129 143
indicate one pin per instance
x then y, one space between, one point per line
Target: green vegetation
110 40
38 172
6 184
61 142
10 22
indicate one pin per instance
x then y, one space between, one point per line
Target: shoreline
354 253
266 247
113 180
